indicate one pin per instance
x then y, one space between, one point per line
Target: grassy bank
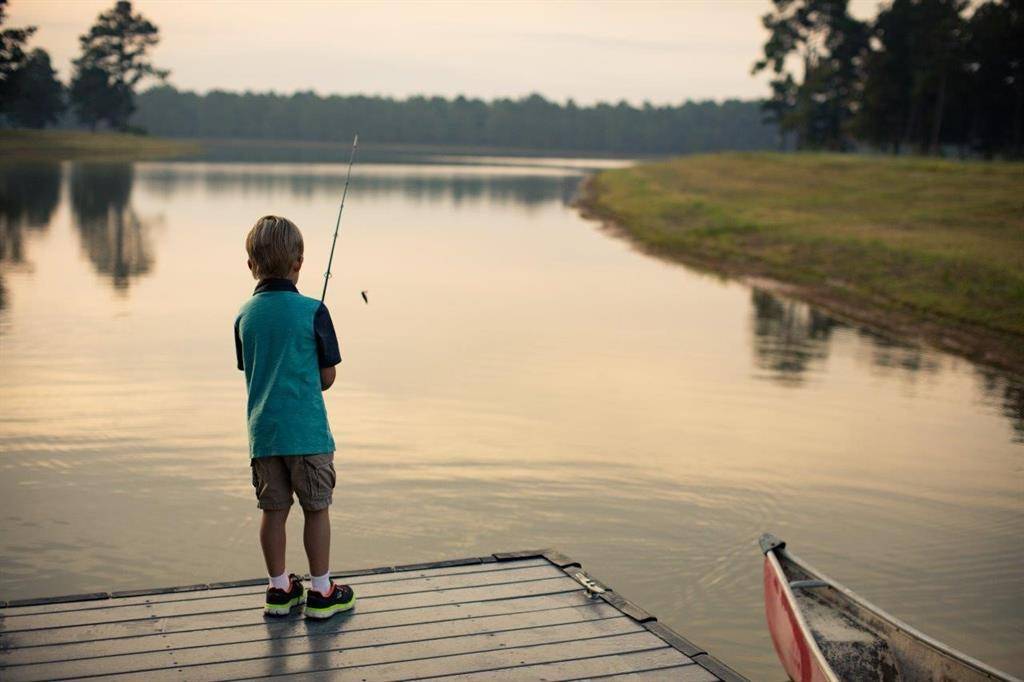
922 247
53 145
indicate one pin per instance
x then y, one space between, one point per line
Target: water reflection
891 354
792 338
115 239
789 336
457 186
292 152
1007 396
29 193
28 197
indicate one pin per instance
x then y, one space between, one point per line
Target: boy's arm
238 347
327 352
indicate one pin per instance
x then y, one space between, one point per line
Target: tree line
114 59
923 76
529 122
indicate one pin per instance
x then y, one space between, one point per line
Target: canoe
823 632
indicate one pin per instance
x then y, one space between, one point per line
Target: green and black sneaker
280 602
340 598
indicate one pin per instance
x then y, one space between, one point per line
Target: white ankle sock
281 582
321 583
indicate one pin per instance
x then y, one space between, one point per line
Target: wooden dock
532 615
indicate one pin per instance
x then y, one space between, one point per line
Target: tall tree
915 77
95 99
114 59
38 97
995 58
939 51
829 44
888 78
12 55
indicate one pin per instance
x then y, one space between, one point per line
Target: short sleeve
238 346
327 352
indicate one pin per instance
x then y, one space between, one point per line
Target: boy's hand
327 375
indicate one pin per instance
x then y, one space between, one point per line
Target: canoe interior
861 642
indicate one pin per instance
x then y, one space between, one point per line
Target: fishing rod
337 223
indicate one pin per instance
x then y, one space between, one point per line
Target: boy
286 345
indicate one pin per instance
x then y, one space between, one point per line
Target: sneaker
340 598
280 602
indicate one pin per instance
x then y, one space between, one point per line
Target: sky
637 50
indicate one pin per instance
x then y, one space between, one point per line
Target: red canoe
823 632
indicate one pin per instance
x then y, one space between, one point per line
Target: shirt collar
275 284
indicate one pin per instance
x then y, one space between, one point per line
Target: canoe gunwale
861 603
798 614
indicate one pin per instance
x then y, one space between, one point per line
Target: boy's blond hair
273 244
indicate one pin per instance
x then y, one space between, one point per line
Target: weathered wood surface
513 616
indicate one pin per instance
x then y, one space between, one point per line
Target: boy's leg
273 539
316 536
270 478
314 490
313 480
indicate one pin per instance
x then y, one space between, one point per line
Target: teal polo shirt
282 339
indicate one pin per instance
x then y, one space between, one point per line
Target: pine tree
38 97
113 61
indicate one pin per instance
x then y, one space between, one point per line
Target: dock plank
255 629
491 661
513 616
243 602
248 589
411 658
659 664
299 645
75 633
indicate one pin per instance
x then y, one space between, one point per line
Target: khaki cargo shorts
310 477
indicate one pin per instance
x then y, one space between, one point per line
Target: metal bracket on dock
594 589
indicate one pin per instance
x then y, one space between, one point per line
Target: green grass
934 237
74 144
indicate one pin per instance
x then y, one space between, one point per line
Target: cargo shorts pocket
320 479
270 480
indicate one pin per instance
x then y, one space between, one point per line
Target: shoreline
413 148
999 351
78 145
72 145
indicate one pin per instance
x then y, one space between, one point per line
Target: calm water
519 379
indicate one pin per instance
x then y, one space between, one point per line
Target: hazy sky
634 50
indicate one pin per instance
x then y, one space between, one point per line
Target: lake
520 378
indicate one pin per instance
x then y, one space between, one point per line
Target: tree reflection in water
789 336
889 353
458 185
113 236
29 194
1007 396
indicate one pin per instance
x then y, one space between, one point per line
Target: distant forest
531 122
939 77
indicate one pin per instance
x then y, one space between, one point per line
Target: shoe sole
285 609
328 611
